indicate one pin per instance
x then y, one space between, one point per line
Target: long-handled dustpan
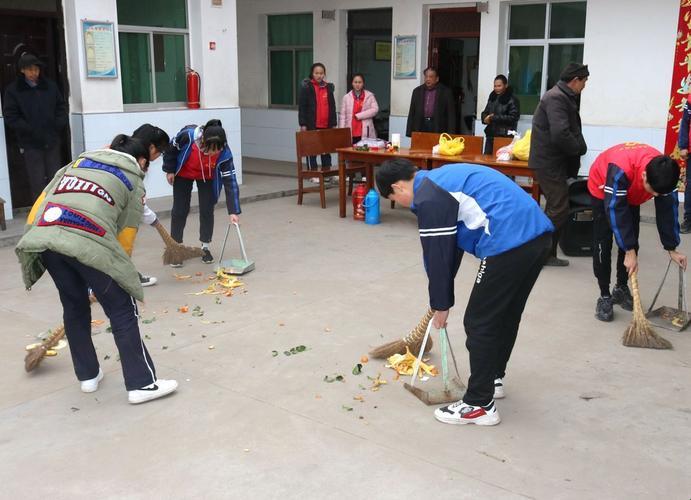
435 392
235 266
668 317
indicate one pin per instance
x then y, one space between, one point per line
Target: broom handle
637 308
416 366
165 236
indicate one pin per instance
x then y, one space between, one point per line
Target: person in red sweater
317 108
621 179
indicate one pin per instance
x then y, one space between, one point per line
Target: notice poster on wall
99 49
405 57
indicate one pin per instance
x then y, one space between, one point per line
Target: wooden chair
318 142
500 142
425 141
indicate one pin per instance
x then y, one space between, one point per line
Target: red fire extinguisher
193 89
359 194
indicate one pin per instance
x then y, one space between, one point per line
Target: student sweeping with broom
81 230
621 179
200 154
470 208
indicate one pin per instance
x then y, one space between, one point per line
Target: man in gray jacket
556 145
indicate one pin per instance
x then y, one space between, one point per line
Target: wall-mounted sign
382 51
405 57
99 49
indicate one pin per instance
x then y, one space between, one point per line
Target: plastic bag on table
371 143
505 153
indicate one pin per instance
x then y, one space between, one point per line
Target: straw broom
640 333
412 341
36 354
175 253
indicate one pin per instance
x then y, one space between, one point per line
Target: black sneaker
207 258
603 310
556 262
147 280
685 226
622 295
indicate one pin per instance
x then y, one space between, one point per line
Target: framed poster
99 49
405 57
382 51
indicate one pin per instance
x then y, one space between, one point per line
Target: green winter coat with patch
90 211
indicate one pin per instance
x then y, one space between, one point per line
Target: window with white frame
154 47
290 56
542 39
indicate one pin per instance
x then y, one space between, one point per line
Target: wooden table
507 167
425 160
371 158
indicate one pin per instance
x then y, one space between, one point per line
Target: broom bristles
640 332
35 355
412 341
175 252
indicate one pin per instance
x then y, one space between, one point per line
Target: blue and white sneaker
460 413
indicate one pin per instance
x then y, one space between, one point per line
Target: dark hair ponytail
214 122
131 146
150 135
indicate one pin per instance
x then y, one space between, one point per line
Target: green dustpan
235 266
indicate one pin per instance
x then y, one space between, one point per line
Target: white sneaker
147 280
176 264
499 388
156 390
462 413
91 385
314 180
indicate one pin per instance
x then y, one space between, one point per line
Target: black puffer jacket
37 115
307 105
506 110
557 140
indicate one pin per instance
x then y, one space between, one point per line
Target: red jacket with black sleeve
616 177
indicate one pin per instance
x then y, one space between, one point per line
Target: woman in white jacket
358 108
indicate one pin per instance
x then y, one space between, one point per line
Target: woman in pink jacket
358 107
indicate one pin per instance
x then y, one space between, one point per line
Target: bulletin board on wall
99 49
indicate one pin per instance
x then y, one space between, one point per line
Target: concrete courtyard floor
584 417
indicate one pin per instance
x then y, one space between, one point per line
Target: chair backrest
500 142
317 142
425 141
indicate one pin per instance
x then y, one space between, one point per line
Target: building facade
252 55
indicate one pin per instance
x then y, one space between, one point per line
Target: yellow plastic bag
449 146
521 149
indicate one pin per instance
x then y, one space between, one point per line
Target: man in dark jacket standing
35 109
432 107
556 145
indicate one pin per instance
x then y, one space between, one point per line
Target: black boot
552 259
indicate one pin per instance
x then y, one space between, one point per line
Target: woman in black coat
317 108
501 113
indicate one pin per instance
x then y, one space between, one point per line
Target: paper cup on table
396 140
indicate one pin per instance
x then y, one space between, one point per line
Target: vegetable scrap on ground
404 364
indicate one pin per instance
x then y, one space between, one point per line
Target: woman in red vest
358 108
317 108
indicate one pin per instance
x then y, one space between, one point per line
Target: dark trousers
41 166
489 144
73 280
602 245
182 194
493 314
556 190
428 125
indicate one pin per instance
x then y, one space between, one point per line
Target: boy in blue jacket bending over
470 208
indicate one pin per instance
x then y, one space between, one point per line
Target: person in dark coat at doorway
35 110
501 113
556 146
432 107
